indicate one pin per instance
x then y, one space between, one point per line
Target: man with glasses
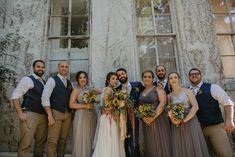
209 97
161 78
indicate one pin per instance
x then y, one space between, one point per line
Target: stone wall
112 33
27 21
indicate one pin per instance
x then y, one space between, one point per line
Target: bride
107 141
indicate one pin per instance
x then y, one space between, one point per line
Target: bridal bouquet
177 110
119 102
145 110
88 98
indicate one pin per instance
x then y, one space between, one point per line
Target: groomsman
209 97
32 116
55 99
134 89
160 72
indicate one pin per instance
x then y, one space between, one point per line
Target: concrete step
14 154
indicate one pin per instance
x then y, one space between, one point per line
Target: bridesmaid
157 135
84 123
187 137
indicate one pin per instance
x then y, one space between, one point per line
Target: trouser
132 143
217 140
35 127
58 133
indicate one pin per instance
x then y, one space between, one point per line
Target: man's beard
123 80
39 73
194 82
161 77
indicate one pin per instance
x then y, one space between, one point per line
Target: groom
134 89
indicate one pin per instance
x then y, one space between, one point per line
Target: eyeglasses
197 73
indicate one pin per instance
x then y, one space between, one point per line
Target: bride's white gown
107 141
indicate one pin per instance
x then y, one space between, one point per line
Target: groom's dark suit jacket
132 143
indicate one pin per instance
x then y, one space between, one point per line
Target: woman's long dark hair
78 75
108 76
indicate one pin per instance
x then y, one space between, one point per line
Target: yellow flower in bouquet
145 110
177 110
118 101
88 98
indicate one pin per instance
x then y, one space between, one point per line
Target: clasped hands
148 120
173 119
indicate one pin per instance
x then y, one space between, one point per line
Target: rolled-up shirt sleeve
46 94
23 86
220 95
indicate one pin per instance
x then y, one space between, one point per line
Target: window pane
143 7
233 20
79 43
234 41
222 23
79 49
59 26
77 65
147 64
229 66
145 25
79 26
60 7
58 49
80 7
59 43
53 68
170 64
165 46
163 24
161 6
146 48
219 6
226 45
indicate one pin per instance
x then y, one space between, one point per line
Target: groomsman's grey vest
32 98
209 112
60 95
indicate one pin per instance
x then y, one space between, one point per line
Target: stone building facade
99 36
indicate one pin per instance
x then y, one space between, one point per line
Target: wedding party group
155 117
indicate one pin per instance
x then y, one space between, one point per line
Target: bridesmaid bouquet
177 110
88 98
145 110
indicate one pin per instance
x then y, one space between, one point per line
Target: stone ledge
14 154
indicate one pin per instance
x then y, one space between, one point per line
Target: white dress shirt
217 93
127 87
23 86
48 89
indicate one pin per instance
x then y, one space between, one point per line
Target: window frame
158 35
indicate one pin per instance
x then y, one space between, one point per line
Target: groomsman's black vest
32 98
209 112
60 95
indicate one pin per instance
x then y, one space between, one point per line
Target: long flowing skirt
108 142
188 140
157 138
84 125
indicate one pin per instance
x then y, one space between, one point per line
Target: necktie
40 79
65 82
194 90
